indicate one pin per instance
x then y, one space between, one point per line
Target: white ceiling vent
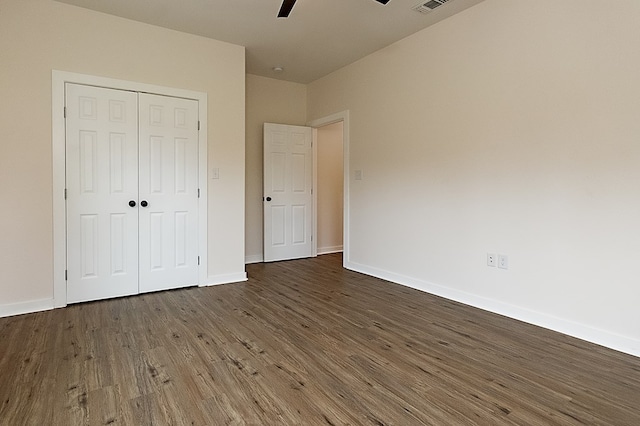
429 6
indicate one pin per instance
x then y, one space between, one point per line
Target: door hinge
65 275
198 260
64 112
65 193
198 124
198 192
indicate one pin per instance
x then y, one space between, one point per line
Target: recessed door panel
298 173
118 243
89 243
180 118
278 172
299 139
117 111
155 164
278 226
181 227
155 241
155 115
88 160
181 166
87 107
298 224
117 143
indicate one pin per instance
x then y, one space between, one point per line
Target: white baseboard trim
48 304
253 258
224 279
25 307
600 337
328 250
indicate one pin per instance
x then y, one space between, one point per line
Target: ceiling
319 37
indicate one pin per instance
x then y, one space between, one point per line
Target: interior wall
267 101
504 129
330 189
38 36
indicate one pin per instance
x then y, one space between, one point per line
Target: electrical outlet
503 261
491 259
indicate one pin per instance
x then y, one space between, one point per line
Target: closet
131 192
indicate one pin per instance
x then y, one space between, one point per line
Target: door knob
144 203
132 203
268 198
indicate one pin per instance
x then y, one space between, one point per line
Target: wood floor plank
303 342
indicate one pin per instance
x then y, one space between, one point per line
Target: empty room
319 212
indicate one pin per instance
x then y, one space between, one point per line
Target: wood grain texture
303 342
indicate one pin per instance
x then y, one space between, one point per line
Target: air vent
429 6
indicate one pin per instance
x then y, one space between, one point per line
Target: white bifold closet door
132 192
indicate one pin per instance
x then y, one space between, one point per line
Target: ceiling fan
287 5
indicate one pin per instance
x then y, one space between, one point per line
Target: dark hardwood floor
303 343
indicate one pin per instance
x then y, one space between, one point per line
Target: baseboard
225 279
26 307
258 258
48 304
253 258
328 250
600 337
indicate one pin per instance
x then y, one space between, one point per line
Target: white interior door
132 192
168 192
288 198
102 179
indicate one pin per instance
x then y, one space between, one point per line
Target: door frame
343 117
58 142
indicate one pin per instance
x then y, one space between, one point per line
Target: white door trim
58 80
325 121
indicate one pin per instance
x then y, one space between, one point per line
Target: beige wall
506 129
329 188
37 36
268 101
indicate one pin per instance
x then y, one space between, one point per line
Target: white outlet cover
491 259
503 261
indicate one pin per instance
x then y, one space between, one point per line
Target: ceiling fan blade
286 7
383 1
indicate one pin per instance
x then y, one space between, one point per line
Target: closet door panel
168 137
101 181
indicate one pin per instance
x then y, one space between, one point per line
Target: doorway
329 188
340 117
279 151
